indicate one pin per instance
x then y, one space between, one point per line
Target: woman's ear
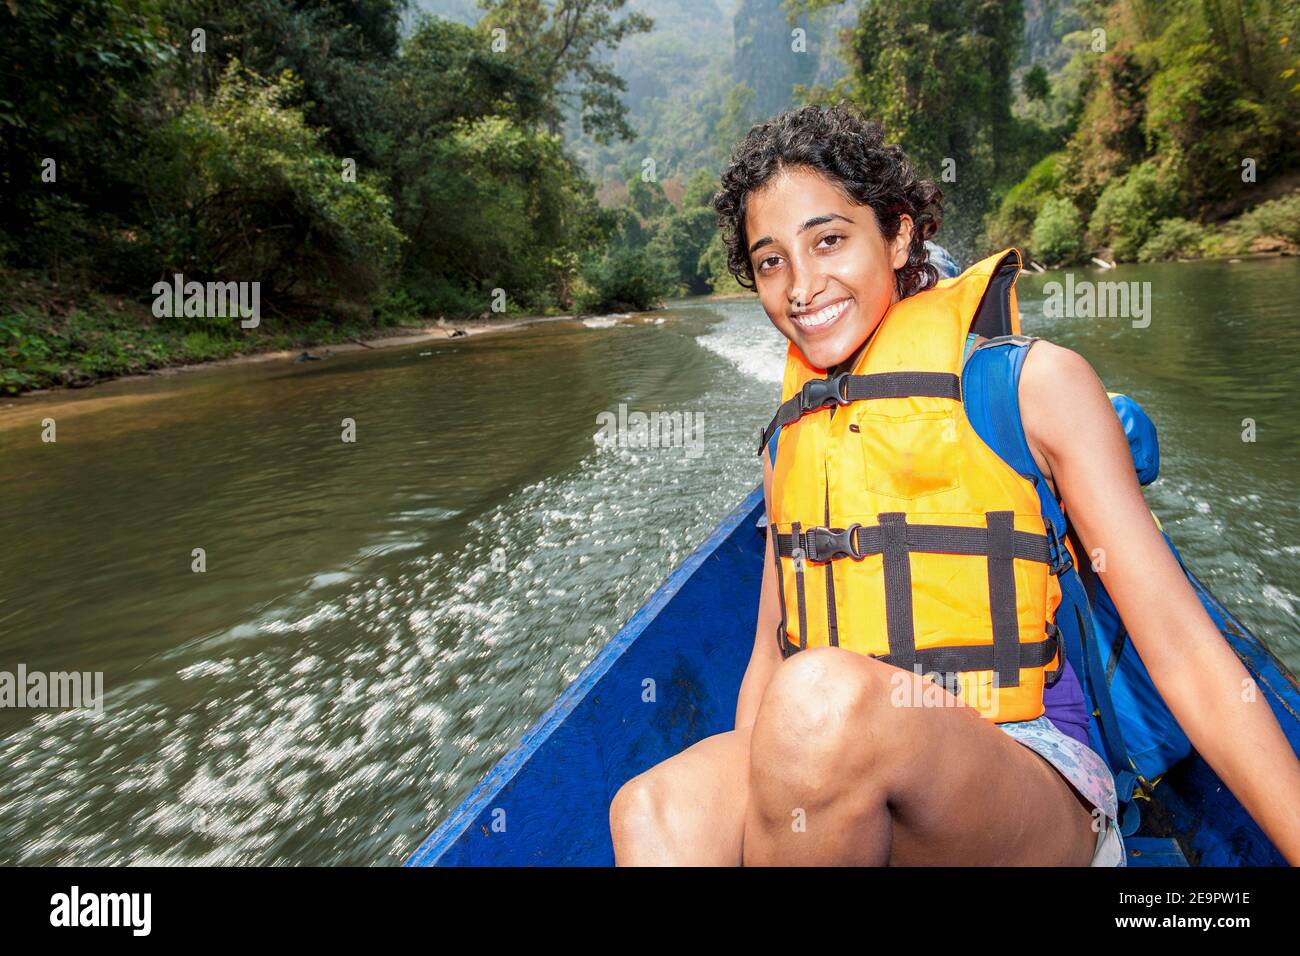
902 242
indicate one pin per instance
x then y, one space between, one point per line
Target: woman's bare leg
688 810
841 773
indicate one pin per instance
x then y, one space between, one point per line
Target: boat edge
450 830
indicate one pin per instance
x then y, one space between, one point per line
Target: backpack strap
991 388
990 382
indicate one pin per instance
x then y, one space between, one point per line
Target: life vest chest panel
900 533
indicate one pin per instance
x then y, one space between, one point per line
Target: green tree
1195 86
1173 239
1034 83
77 74
241 188
647 197
338 49
1015 217
560 44
937 74
487 198
625 279
1194 92
1130 210
700 189
738 116
680 239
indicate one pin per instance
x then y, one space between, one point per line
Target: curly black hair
850 152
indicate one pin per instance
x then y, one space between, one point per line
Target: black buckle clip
820 392
1054 636
1057 553
826 544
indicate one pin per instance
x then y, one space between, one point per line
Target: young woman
824 765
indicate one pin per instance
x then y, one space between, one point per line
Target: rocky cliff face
1046 21
763 58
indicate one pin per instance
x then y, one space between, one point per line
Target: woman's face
809 244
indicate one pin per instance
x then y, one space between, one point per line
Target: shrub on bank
240 187
1057 236
1273 226
1130 210
59 334
1173 239
1279 218
624 279
1022 204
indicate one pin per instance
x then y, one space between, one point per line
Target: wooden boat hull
670 678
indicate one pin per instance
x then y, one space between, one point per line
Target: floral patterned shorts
1084 769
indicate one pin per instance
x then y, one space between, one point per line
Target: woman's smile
823 319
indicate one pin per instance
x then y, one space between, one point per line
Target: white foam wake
754 347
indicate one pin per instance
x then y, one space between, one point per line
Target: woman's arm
765 656
1070 420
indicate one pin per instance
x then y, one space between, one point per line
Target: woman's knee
823 708
824 691
638 812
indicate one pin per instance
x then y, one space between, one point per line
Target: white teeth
821 316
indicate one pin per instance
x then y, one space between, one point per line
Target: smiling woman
904 552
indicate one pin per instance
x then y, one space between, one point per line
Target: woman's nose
802 292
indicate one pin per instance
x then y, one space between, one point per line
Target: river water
379 620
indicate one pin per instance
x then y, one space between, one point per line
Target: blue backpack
1131 726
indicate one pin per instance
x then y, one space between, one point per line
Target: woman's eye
763 263
833 236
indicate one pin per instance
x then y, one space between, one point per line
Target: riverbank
394 337
55 338
64 401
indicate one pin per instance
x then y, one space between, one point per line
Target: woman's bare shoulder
1063 404
1053 380
1057 385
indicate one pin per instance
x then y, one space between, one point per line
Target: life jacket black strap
1051 677
782 627
799 593
899 619
844 388
978 657
954 660
832 616
786 646
1002 597
828 544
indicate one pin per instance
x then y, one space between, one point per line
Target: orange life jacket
899 533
